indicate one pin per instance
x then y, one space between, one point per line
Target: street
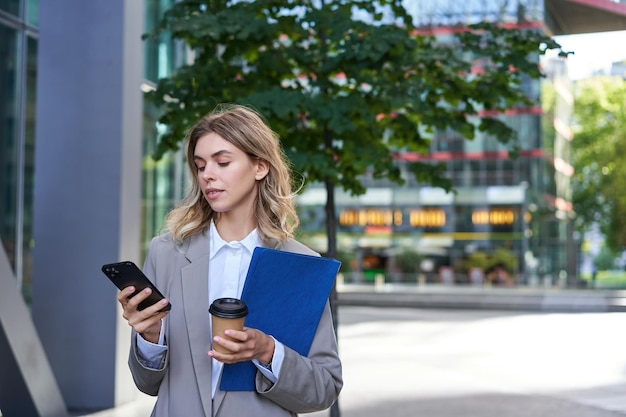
440 363
402 362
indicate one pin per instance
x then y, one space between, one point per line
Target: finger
239 336
141 323
122 295
226 357
233 346
134 316
222 357
155 308
136 299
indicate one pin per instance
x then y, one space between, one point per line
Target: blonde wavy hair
275 210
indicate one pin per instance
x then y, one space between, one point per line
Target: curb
515 299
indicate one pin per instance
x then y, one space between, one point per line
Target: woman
240 198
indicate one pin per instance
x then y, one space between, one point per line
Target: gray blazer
183 382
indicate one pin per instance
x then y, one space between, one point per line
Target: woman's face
227 175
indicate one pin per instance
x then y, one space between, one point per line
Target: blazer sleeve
311 383
147 379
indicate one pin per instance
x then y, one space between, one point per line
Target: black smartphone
126 273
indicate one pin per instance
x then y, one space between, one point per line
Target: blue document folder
285 293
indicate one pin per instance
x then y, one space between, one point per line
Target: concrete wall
87 191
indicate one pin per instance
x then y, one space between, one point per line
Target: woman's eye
200 169
223 164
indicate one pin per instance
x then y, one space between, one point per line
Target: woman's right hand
146 322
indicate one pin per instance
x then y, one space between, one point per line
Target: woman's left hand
246 345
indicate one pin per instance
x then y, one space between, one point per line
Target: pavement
483 363
484 352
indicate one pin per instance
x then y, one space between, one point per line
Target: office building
517 206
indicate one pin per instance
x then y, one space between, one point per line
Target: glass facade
18 73
518 207
446 13
163 180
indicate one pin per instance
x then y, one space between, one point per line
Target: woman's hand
146 322
246 345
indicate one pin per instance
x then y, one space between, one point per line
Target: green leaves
599 147
346 84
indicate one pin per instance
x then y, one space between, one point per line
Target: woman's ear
262 169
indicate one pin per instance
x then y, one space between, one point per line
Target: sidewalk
402 362
427 305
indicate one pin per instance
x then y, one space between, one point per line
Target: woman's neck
231 229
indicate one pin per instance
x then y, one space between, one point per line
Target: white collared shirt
228 266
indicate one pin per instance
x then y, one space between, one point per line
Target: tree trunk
331 234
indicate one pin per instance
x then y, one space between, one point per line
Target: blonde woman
240 198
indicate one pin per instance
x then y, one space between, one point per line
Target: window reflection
10 6
8 139
29 169
18 75
32 12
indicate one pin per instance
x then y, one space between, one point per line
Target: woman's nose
207 174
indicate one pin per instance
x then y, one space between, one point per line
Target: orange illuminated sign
369 217
493 217
428 218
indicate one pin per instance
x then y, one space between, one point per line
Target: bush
485 261
408 261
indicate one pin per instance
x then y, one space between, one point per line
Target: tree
606 258
599 147
346 84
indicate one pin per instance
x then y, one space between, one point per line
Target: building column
87 191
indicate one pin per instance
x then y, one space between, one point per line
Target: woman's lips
212 193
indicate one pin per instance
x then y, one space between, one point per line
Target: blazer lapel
195 306
219 397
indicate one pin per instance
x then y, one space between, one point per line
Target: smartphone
126 273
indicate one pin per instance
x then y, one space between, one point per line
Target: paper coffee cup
226 313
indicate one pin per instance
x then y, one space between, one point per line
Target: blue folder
285 293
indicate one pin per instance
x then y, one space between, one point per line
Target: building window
9 107
18 74
10 6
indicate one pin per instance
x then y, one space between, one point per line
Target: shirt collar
216 242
